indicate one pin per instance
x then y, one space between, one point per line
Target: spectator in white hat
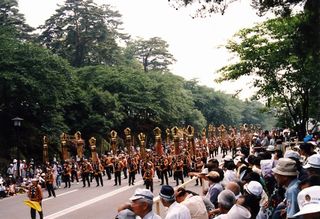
285 174
141 205
309 203
313 165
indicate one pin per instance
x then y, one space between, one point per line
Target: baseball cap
167 192
142 194
254 188
309 200
313 161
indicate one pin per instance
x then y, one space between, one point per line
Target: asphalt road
83 203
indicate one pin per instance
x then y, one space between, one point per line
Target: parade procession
229 167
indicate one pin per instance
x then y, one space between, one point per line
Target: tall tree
287 77
11 19
34 85
152 53
83 33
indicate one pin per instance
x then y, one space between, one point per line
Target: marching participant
35 195
132 169
86 168
97 171
148 176
117 168
66 174
178 171
49 182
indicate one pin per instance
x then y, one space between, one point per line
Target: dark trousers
85 177
117 178
164 175
125 172
74 174
197 181
178 175
50 189
132 177
33 213
108 171
98 176
67 181
215 151
149 184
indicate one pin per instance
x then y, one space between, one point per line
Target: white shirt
196 207
178 211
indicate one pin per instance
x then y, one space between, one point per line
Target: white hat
254 188
270 148
238 212
142 194
313 161
291 153
309 200
14 160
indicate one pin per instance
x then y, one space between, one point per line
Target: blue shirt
291 198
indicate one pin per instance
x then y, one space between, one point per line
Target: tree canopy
84 81
83 33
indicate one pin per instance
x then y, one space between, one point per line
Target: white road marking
89 202
60 195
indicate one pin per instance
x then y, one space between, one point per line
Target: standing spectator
285 174
193 202
10 170
214 187
141 205
313 165
226 200
309 203
175 210
59 175
3 190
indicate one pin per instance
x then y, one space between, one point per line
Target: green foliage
108 88
83 33
12 20
34 85
287 74
153 53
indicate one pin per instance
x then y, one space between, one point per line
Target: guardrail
157 200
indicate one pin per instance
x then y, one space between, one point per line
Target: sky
197 44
